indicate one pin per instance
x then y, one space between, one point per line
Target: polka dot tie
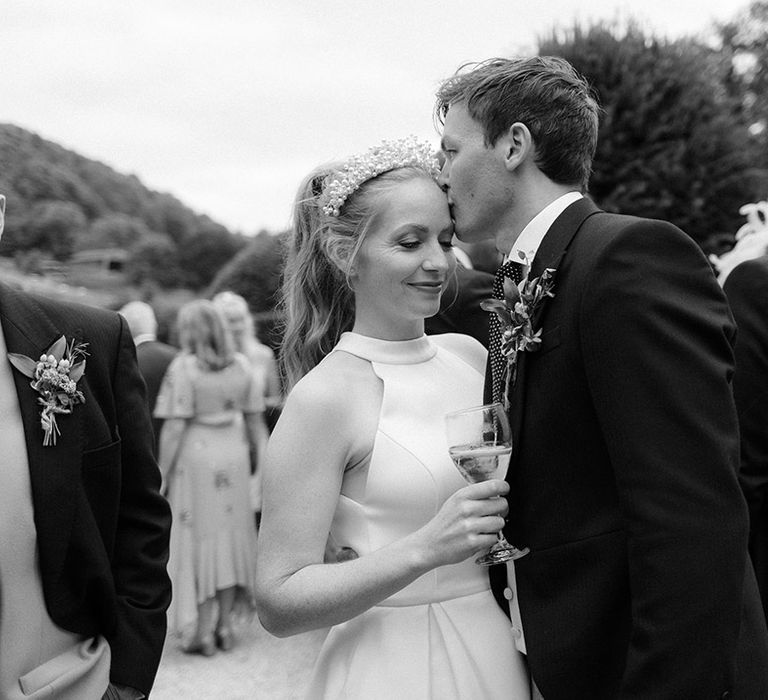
513 271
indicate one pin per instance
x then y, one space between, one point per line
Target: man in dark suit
747 290
83 528
152 355
460 310
623 477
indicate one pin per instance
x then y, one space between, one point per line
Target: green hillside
61 203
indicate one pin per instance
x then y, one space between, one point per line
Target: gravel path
259 667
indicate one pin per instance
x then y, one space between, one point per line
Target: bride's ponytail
317 303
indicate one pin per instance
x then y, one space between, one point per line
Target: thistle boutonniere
54 376
515 312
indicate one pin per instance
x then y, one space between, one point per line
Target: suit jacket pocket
550 339
82 671
101 477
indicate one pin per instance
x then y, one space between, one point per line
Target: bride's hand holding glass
465 525
480 444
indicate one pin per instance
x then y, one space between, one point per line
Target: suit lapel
54 470
549 255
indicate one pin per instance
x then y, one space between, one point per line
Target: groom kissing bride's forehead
624 472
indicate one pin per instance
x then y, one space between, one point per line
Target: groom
83 528
626 452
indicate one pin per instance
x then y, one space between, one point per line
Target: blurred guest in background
239 320
460 310
152 355
747 290
751 241
212 405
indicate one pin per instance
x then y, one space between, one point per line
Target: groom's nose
442 178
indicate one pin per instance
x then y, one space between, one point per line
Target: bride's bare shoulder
337 385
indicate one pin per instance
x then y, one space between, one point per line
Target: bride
358 464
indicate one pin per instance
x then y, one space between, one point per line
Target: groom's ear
516 145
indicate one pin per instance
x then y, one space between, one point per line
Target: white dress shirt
532 235
528 243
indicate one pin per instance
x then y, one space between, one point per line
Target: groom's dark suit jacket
460 310
102 526
624 474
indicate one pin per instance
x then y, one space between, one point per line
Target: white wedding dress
442 637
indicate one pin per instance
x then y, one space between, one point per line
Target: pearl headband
389 155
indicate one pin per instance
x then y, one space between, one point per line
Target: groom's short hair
546 94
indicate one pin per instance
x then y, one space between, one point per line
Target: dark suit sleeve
657 344
747 290
460 310
141 544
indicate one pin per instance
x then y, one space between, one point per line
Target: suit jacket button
726 695
508 594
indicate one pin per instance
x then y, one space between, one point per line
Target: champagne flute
480 444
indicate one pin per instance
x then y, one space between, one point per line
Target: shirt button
508 594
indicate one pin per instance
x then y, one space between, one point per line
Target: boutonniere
515 313
54 376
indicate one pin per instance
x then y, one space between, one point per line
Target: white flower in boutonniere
515 314
54 376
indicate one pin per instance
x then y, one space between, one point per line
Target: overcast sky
226 104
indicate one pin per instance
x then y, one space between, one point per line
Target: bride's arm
311 445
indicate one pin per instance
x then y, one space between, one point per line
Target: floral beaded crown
388 155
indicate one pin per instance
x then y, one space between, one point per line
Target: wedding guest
360 457
238 319
751 241
83 527
747 290
211 406
623 478
152 355
460 310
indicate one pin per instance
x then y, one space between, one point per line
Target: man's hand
122 692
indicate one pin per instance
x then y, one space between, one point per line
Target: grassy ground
260 667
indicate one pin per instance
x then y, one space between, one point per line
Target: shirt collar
532 235
143 338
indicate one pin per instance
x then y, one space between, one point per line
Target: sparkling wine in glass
480 445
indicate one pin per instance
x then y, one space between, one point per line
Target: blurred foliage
205 252
745 40
51 226
255 274
115 230
674 142
60 202
155 261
